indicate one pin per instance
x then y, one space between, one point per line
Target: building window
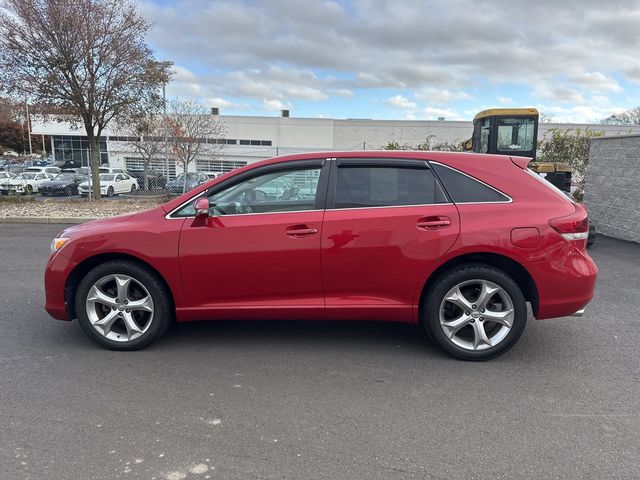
73 151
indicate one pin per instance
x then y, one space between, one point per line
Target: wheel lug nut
117 300
482 310
126 302
113 308
473 306
481 318
467 313
473 321
128 310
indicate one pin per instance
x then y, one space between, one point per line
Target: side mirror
202 207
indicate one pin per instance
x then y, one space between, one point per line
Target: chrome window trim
391 206
283 165
477 180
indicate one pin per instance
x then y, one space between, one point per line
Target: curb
65 220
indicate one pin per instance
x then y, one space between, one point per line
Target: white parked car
52 170
5 177
25 182
111 184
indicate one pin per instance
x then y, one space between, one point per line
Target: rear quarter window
465 189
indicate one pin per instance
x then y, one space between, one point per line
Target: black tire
28 190
163 307
68 192
110 192
133 188
448 280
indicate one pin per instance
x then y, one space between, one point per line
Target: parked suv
457 243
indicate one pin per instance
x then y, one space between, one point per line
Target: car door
120 184
386 222
258 253
39 178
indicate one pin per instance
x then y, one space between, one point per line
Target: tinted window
369 186
464 189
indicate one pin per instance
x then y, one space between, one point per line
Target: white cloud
275 105
290 50
442 96
504 100
399 101
597 81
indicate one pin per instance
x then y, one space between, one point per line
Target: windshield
190 176
65 177
26 176
515 134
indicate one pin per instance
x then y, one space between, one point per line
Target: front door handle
301 231
433 223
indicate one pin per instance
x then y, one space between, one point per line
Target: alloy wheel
119 308
476 314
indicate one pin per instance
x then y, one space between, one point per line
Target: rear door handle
301 231
432 223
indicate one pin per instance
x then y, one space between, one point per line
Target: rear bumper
55 279
566 283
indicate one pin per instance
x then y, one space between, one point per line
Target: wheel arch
80 270
511 267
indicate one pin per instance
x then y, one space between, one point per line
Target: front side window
372 186
270 192
515 134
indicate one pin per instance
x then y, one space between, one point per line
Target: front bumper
55 280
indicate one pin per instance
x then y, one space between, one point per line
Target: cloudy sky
576 60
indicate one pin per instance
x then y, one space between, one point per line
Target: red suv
458 243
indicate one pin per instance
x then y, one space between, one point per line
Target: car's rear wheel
475 312
110 192
133 188
68 191
122 305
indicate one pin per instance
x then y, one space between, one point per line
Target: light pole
29 129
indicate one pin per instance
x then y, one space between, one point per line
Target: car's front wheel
122 305
475 312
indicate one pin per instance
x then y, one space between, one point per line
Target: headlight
57 243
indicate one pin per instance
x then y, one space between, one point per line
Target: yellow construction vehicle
514 131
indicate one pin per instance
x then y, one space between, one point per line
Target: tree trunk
184 186
94 146
146 176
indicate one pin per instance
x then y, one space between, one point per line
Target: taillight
574 226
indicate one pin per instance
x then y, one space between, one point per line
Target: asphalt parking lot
307 400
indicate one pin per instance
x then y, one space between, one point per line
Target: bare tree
149 132
87 58
193 133
629 117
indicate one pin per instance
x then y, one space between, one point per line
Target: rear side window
367 186
464 189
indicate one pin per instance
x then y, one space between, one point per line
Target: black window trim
509 199
321 190
380 162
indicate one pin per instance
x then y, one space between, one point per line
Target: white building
249 139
